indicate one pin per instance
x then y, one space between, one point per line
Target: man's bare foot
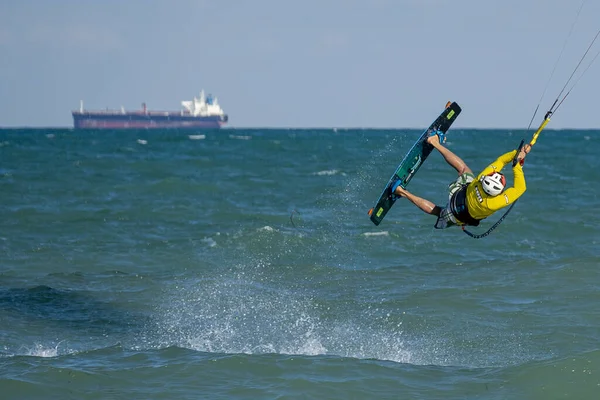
400 191
433 140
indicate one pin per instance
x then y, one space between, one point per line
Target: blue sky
309 63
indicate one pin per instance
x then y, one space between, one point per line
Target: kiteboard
413 160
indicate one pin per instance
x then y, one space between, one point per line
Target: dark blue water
242 264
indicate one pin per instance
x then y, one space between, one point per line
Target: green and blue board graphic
412 162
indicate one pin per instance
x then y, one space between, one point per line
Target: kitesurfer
471 199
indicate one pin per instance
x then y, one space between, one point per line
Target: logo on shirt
478 194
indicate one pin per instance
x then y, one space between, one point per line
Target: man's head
493 183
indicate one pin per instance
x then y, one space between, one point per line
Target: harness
458 206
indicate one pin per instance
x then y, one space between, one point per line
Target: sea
242 264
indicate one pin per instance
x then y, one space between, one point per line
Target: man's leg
455 161
420 202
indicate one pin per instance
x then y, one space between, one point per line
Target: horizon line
334 128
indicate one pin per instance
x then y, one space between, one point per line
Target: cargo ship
200 113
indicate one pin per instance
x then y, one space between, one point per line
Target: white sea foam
210 242
40 350
382 233
329 172
197 137
240 137
244 314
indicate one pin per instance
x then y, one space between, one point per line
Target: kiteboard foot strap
393 189
440 134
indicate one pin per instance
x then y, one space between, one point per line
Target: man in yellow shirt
472 199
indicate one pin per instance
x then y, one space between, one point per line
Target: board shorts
447 218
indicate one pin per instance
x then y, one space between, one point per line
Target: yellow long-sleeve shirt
480 204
